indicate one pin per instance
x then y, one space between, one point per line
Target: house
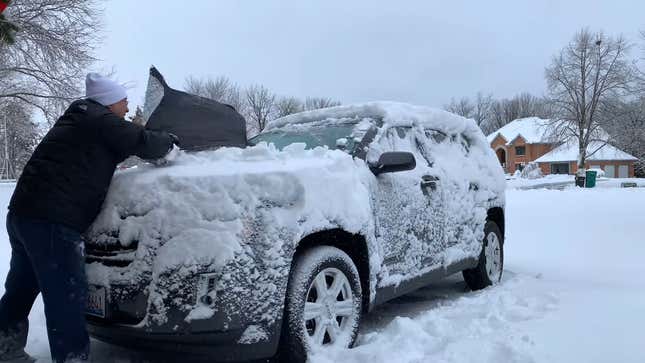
613 161
519 142
527 140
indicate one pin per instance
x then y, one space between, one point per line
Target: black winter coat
69 173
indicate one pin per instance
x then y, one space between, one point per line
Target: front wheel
323 303
491 260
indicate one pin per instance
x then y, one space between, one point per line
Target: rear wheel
323 304
491 260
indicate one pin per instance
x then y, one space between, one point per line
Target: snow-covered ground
563 180
572 292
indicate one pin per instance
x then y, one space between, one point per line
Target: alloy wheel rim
329 313
493 257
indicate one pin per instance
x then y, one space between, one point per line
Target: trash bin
590 178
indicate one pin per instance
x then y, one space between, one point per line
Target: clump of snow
531 171
253 334
200 312
197 246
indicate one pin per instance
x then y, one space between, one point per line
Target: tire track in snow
445 323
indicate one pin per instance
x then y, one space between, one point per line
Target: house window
560 168
520 150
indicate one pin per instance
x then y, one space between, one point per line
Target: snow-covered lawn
572 292
561 180
519 183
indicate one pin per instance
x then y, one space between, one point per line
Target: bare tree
627 129
481 111
288 105
589 72
18 137
138 119
220 89
261 106
314 103
215 89
523 105
52 49
462 107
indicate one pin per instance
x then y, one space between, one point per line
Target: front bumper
218 346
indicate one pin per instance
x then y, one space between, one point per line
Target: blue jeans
46 258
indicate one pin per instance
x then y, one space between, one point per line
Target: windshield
338 136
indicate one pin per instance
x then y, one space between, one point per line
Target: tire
320 268
489 270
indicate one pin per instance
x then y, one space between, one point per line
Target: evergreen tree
7 30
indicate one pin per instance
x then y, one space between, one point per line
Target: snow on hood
208 195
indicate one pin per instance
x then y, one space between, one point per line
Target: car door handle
429 182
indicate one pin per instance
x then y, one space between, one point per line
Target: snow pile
456 330
531 171
547 181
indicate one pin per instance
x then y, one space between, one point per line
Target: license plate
96 301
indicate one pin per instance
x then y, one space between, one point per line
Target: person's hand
169 158
174 138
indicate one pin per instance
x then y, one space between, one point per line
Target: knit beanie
103 90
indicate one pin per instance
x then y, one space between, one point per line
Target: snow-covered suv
282 246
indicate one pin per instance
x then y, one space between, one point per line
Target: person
57 197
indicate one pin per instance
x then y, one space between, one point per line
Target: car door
450 164
404 217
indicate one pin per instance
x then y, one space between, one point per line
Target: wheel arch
354 245
496 215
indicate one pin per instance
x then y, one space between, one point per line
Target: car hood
201 208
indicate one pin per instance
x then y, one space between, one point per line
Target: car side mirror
391 162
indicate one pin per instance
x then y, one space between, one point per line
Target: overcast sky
422 52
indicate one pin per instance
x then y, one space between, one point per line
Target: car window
465 142
424 141
405 140
334 137
436 135
397 138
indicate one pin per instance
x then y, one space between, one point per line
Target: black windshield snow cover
200 123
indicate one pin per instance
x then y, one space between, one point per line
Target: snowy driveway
572 292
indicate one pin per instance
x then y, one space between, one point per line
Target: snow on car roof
569 152
389 112
532 129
